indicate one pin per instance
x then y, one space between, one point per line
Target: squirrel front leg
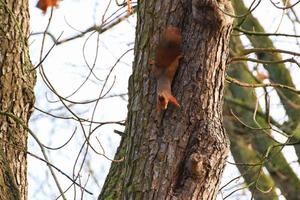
164 78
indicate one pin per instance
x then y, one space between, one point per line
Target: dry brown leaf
44 4
262 76
129 6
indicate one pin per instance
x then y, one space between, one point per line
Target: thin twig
242 84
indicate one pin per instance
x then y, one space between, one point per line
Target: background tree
16 96
261 148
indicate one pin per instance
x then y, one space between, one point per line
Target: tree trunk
17 99
277 72
179 153
248 160
256 139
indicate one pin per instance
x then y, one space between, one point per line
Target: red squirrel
168 54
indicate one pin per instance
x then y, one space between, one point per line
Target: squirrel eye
161 99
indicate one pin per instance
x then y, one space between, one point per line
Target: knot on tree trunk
212 13
195 166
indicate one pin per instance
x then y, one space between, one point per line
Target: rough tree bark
180 153
16 97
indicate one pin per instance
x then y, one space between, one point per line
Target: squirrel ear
173 101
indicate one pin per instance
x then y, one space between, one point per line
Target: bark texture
16 97
179 153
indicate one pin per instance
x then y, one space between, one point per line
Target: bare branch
242 84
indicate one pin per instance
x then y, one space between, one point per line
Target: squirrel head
163 99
